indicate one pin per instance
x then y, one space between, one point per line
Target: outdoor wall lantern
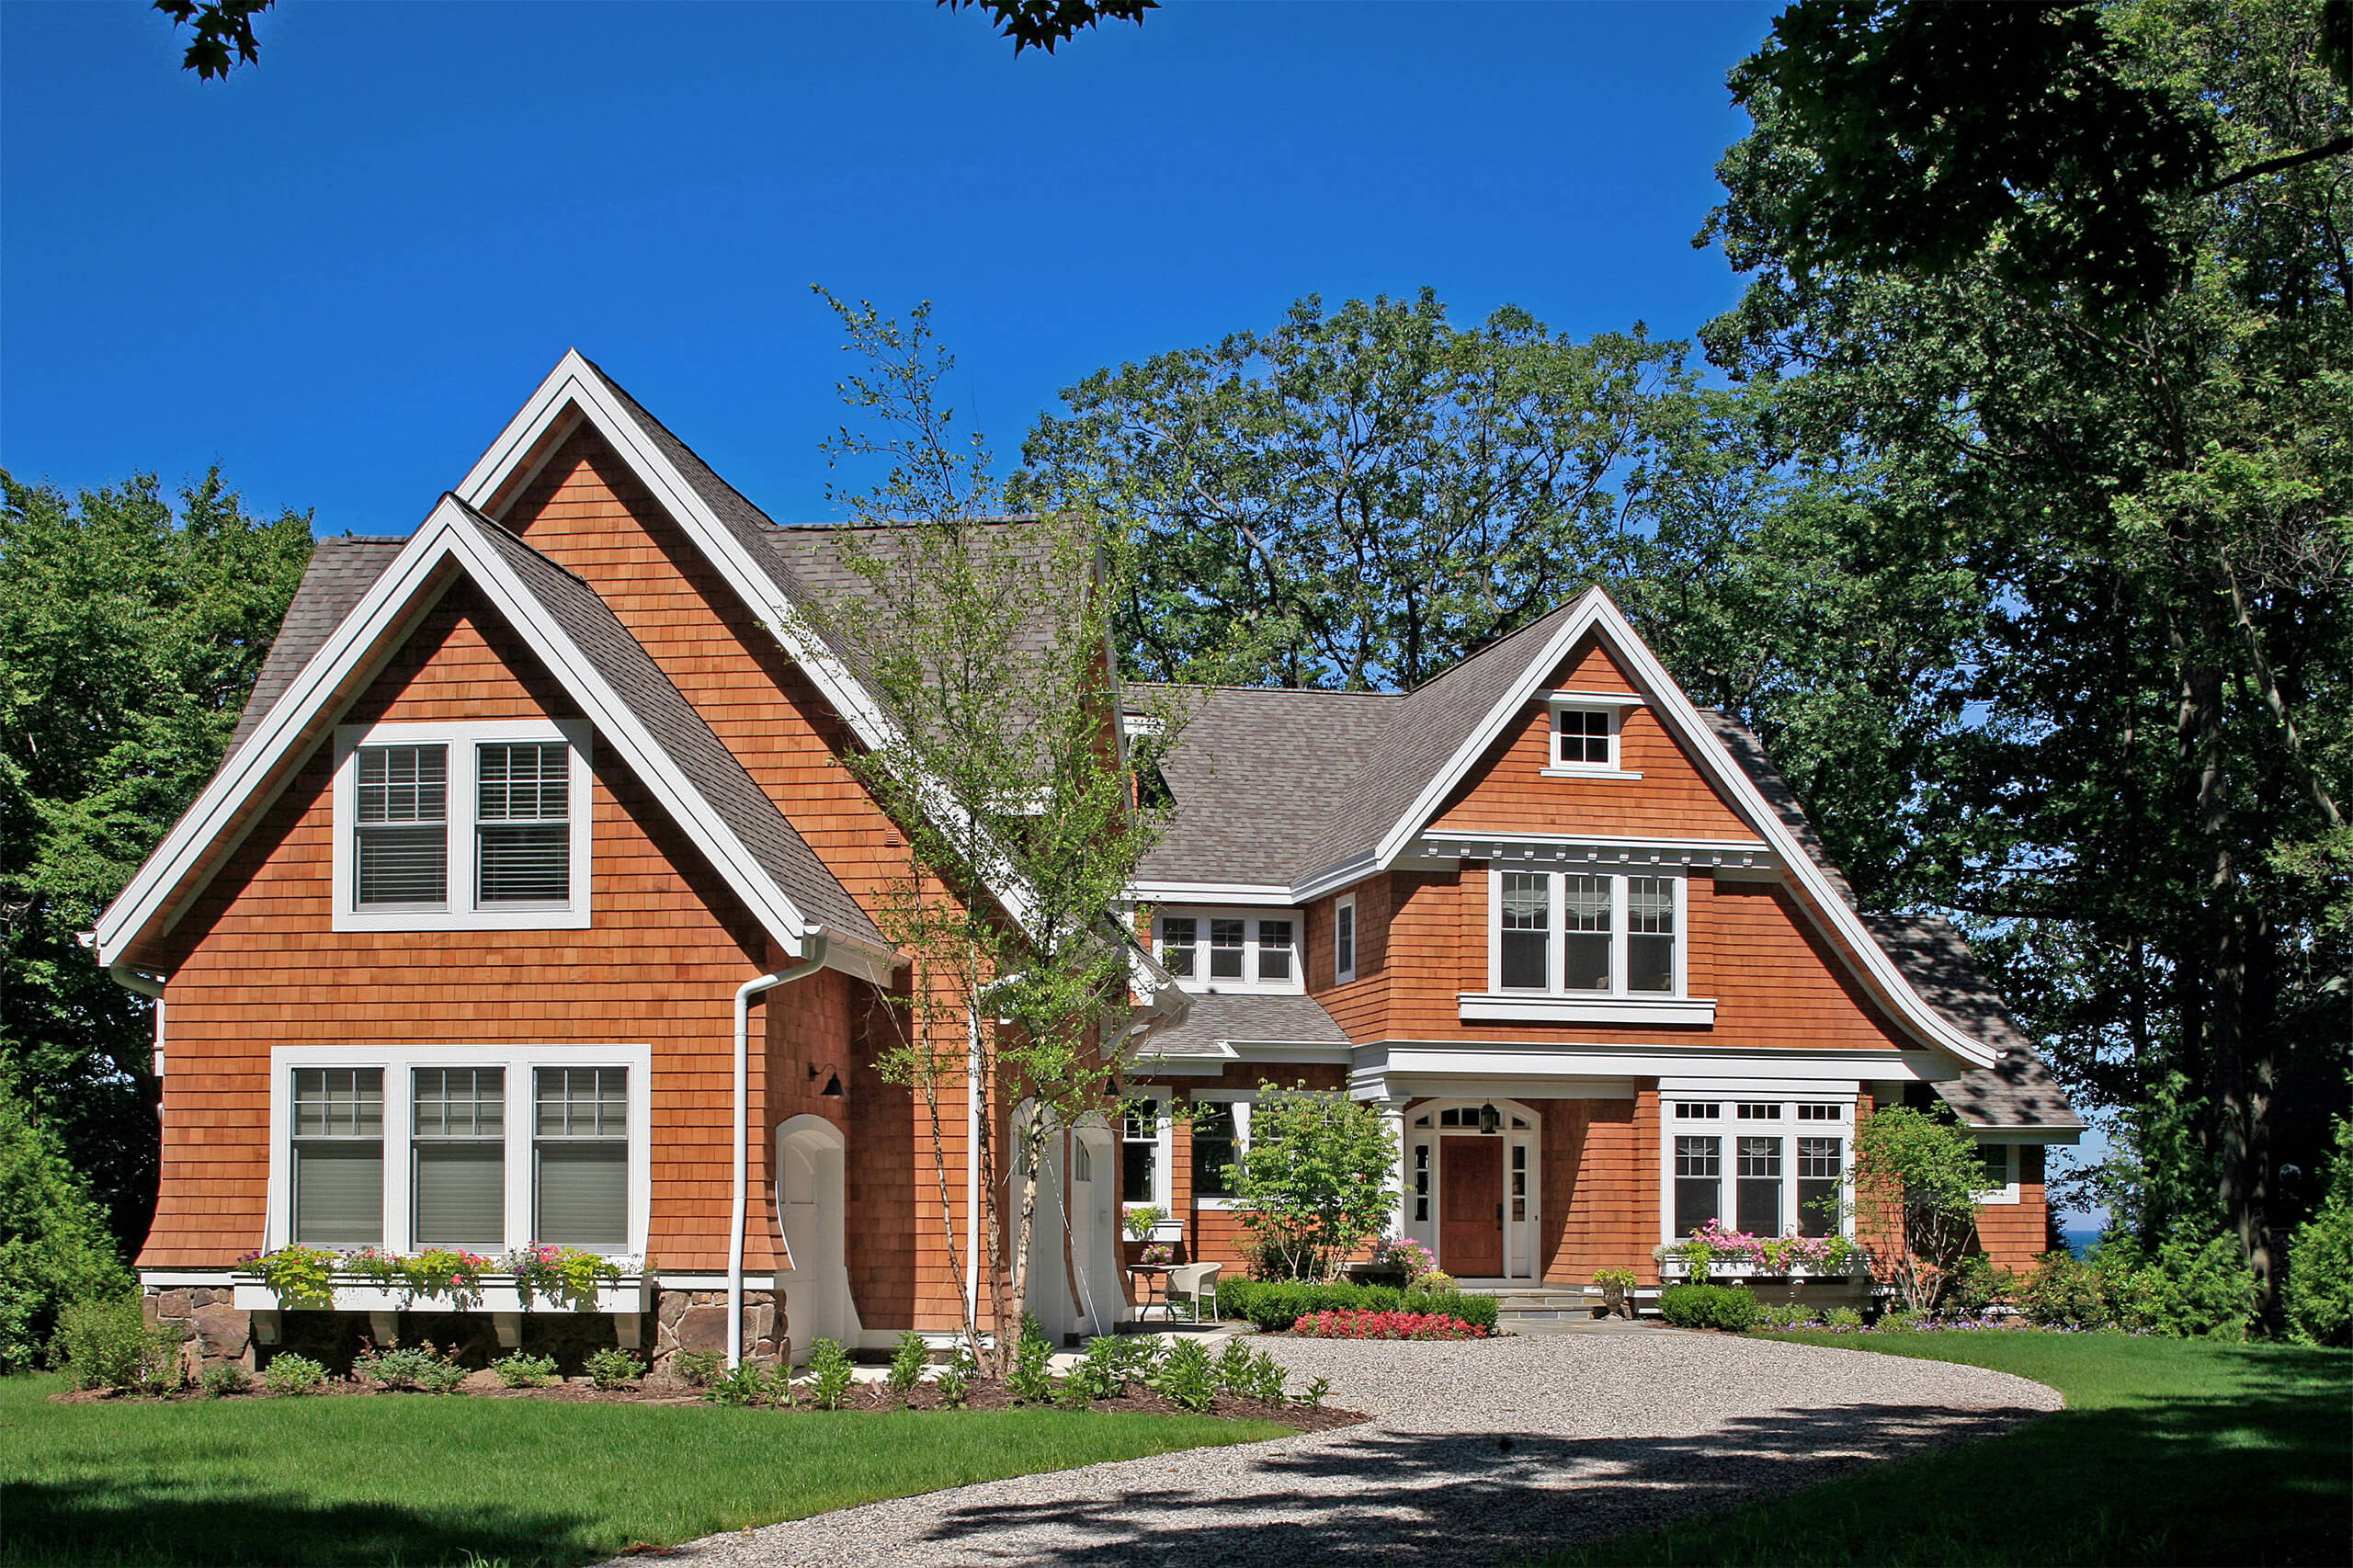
1490 1119
832 1089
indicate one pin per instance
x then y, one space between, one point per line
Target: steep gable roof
341 571
616 683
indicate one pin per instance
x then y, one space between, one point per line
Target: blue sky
338 274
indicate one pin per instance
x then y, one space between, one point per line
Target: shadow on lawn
1404 1498
102 1521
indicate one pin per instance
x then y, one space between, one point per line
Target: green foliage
420 1368
748 1384
2320 1256
128 638
1187 1376
223 1379
291 1372
1030 1381
562 1277
830 1370
1727 1307
304 1277
1268 1383
2186 1286
908 1358
1314 1179
1788 1314
1318 1391
1273 1306
106 1343
54 1247
696 1367
1110 1363
1843 1317
1977 1284
2064 1292
613 1367
1920 1170
955 1380
1235 1368
517 1369
1139 1221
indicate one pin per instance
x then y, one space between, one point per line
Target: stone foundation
211 1330
697 1320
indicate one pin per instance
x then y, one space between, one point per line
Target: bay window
1742 1164
337 1156
458 1151
581 1151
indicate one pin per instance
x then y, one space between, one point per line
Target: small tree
986 645
1917 1178
1316 1179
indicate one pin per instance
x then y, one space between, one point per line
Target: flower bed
1385 1325
369 1278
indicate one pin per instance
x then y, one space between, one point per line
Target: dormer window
1586 730
1236 950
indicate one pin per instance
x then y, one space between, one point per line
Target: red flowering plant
560 1276
1385 1325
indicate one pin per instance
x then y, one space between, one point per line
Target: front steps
1527 1306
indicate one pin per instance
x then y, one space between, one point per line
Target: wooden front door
1471 1207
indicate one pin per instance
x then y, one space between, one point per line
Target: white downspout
813 959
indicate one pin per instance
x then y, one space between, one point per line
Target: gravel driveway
1479 1454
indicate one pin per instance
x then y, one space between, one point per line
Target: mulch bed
865 1396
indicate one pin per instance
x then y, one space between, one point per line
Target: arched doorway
813 1283
1473 1183
1096 1283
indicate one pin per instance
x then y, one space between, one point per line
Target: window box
1674 1265
1163 1230
358 1293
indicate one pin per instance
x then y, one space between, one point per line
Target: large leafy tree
2129 477
129 634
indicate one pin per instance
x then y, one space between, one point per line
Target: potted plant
1617 1291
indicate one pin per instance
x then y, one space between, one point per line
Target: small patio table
1152 1290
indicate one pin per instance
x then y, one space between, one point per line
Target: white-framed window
1587 933
1144 1154
1344 939
485 1147
1771 1167
463 826
1229 950
2001 1165
1586 727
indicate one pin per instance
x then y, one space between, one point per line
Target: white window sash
1341 976
1252 945
1557 933
1729 1129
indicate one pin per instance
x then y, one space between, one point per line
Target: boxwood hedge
1272 1306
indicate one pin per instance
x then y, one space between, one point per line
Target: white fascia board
1254 893
1514 1059
1333 879
575 384
1595 612
1476 845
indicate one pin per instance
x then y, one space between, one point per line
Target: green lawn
2170 1451
418 1480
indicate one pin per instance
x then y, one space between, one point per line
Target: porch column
1393 1116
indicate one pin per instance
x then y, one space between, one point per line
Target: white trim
1616 700
1522 1237
576 385
398 1062
1565 770
2007 1193
1160 894
463 911
1355 940
1527 1007
1594 613
336 673
1510 848
1556 1069
1728 1127
1164 1159
1247 983
1614 707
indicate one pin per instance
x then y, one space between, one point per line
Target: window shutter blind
459 1151
523 836
582 1148
402 837
339 1192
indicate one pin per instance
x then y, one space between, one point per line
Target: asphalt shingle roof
340 573
1215 1019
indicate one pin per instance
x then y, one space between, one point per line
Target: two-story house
532 903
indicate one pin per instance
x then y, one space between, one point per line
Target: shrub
1725 1307
1909 1319
748 1384
830 1373
955 1380
1187 1376
57 1248
290 1373
1386 1326
1317 1392
1236 1368
421 1369
1110 1364
1274 1306
2186 1289
107 1345
224 1378
1268 1380
1785 1314
1031 1380
907 1361
613 1367
1977 1284
2064 1292
696 1367
1843 1317
2320 1276
521 1372
1437 1281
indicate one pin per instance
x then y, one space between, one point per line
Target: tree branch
2280 164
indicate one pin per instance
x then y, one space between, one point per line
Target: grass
2170 1451
417 1480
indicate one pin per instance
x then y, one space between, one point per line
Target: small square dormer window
1585 734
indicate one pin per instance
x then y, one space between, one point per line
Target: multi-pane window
1698 1183
401 802
1615 935
1759 1181
1344 940
458 1158
1178 935
1820 1166
1243 952
1421 1181
1586 922
1520 1181
1581 737
1650 934
338 1153
1697 1111
1526 931
1995 1159
580 1148
1753 1111
1822 1113
1214 1151
522 823
1139 1157
1273 950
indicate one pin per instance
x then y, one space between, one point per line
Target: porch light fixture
1490 1119
832 1089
